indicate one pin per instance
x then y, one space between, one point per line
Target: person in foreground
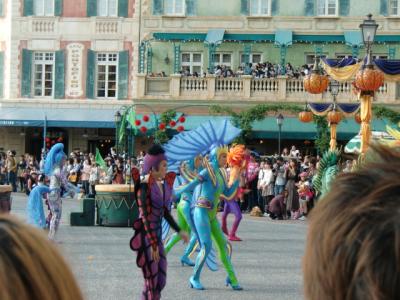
154 195
353 245
31 268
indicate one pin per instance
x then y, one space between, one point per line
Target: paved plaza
267 262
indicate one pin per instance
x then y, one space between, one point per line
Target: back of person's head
31 267
353 245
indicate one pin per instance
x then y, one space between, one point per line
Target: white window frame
107 63
107 13
44 5
251 59
44 61
259 13
397 13
191 63
174 7
325 13
220 61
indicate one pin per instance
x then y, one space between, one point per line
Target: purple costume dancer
233 207
154 198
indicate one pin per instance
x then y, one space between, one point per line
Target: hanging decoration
316 82
306 116
146 118
369 79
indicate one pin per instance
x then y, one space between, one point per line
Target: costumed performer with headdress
53 164
34 208
154 195
235 159
213 182
188 171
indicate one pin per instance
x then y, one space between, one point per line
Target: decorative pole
117 119
279 121
368 80
334 117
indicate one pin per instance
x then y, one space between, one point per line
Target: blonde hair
222 150
31 268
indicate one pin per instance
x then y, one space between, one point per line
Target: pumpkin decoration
369 80
316 83
306 116
334 117
357 117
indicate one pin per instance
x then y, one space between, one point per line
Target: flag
99 160
122 127
131 119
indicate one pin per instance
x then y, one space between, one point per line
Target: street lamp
368 30
117 119
334 117
279 121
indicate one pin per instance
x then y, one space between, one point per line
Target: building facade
67 66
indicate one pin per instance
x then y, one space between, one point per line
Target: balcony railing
246 88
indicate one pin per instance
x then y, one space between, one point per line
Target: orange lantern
369 79
316 83
306 116
334 117
357 117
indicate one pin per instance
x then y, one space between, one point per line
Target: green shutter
392 52
158 7
149 60
123 74
384 7
91 7
58 7
28 8
1 8
123 8
26 76
191 7
91 74
275 7
59 84
1 74
344 7
247 52
244 7
309 8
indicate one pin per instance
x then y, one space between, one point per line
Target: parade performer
35 212
188 171
53 164
327 171
233 206
154 195
213 182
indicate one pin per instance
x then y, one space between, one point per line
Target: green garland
161 136
245 118
382 112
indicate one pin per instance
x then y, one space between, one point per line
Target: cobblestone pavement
267 262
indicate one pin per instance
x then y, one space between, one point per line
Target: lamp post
368 30
334 116
117 119
279 122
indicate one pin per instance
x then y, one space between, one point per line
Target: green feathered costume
327 172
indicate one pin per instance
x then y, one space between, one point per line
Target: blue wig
54 158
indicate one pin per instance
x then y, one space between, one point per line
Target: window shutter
309 8
177 59
58 7
123 74
91 74
28 8
123 8
1 8
384 7
59 83
142 58
1 74
149 60
191 7
91 7
158 7
274 7
344 7
26 76
244 7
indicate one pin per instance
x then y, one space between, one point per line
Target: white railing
264 85
107 27
193 84
43 25
228 85
279 89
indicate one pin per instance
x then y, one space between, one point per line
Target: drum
116 205
5 198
